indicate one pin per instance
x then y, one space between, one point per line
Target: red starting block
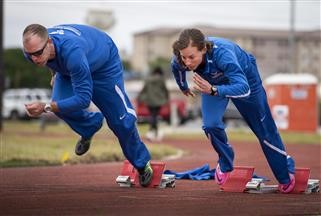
302 176
238 178
129 170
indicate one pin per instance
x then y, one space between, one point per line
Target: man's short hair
35 29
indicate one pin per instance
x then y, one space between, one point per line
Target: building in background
150 45
271 48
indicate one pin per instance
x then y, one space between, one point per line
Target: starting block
129 176
302 184
237 179
302 176
240 180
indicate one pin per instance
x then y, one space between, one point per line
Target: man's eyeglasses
37 53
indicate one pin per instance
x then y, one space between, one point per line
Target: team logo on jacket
216 74
61 32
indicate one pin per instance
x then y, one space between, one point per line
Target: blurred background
283 35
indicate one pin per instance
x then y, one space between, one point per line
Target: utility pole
1 62
292 50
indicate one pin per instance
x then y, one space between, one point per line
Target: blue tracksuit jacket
84 54
89 69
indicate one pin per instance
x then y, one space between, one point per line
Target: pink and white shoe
220 177
288 188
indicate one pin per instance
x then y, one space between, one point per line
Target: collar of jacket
210 60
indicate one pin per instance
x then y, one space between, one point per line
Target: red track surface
91 189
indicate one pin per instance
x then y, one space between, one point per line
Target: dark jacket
154 92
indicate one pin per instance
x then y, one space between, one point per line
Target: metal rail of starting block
129 176
167 181
302 184
257 185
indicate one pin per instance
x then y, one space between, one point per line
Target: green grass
287 137
247 136
24 144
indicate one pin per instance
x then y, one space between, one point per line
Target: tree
127 65
162 62
24 74
1 62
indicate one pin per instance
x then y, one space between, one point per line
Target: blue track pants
256 112
110 97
